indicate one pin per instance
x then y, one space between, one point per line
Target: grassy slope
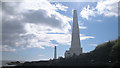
106 54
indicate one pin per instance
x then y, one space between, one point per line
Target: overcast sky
30 30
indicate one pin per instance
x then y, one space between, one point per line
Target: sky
30 30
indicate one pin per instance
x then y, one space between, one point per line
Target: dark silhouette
106 54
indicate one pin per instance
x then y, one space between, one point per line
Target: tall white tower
75 43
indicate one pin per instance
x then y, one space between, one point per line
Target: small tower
55 53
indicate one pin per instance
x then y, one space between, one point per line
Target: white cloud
42 36
108 7
81 25
107 41
86 12
35 25
61 7
7 48
99 20
45 10
28 15
93 44
86 37
105 7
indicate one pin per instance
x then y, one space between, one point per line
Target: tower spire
75 32
75 43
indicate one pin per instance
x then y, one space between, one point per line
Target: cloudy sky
30 30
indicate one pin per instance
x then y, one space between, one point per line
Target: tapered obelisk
75 43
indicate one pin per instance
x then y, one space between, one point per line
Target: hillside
106 54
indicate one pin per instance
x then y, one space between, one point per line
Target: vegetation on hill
106 54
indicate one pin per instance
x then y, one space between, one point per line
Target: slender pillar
75 43
55 53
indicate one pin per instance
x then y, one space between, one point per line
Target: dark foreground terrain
104 55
